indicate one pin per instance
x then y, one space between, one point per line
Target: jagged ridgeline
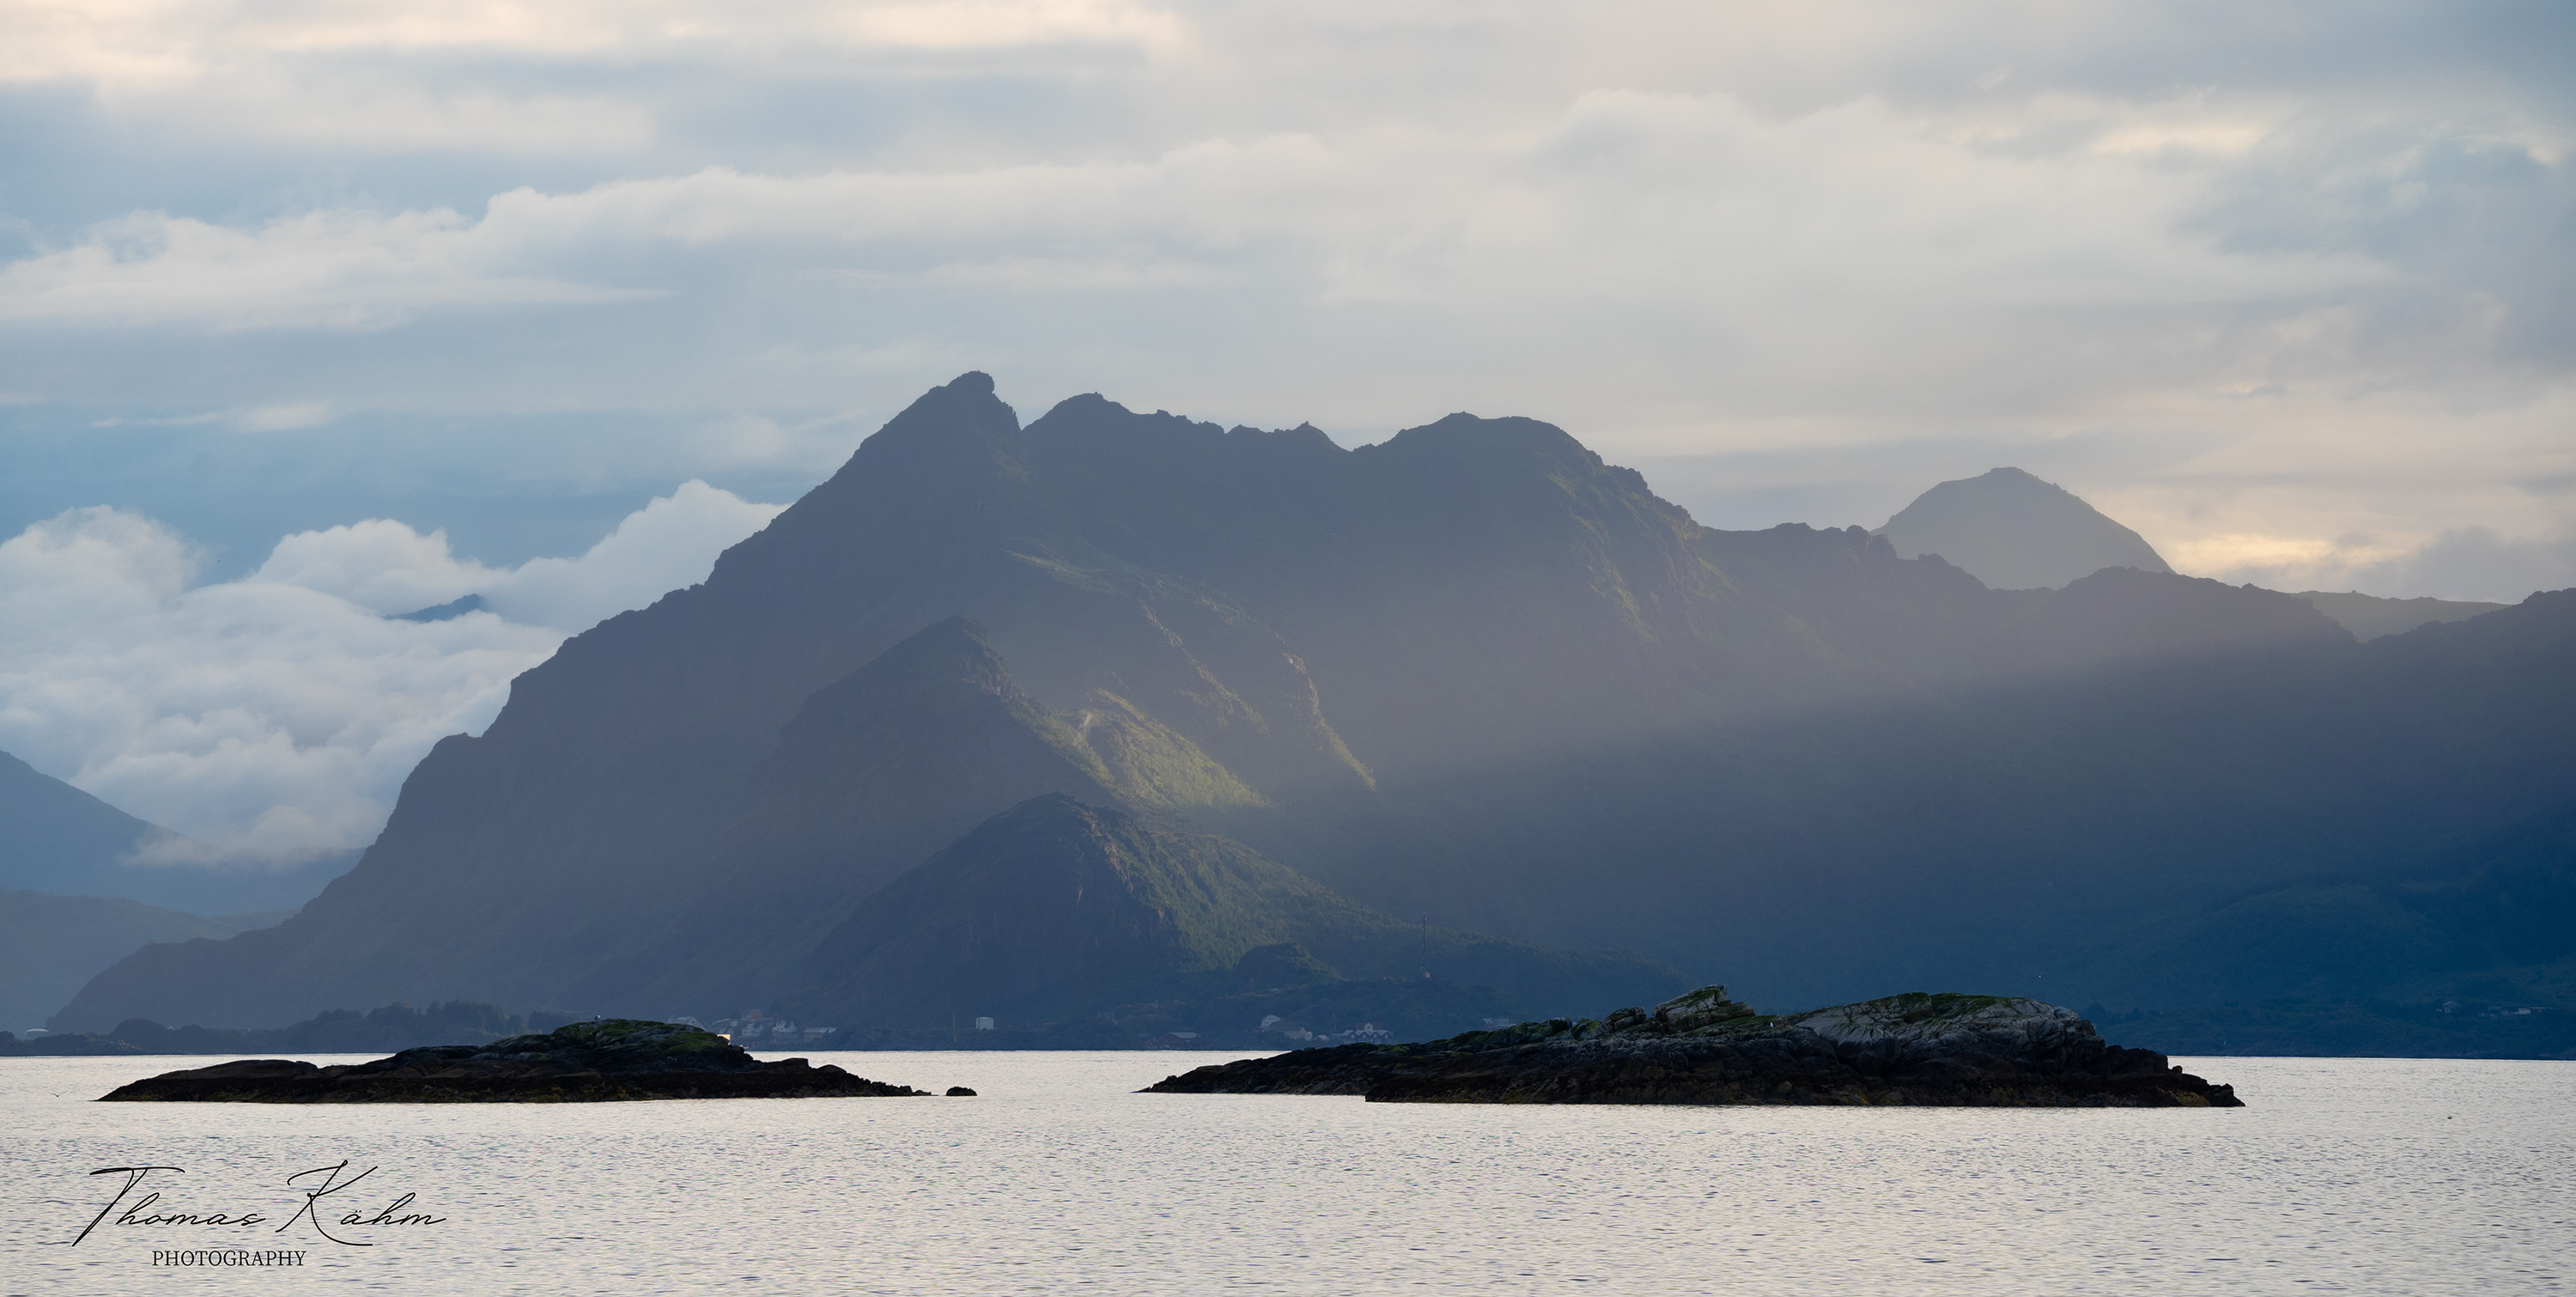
1083 713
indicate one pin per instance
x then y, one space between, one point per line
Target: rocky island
586 1062
1703 1048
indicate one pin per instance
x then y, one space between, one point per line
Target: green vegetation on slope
1055 909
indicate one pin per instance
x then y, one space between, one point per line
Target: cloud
2271 269
267 719
284 416
669 543
437 77
334 269
378 564
141 43
275 716
386 566
2473 563
2476 563
1625 199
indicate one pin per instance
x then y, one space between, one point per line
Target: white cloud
334 269
386 566
1625 199
2258 270
275 716
269 720
379 564
2473 563
134 46
283 416
408 77
669 543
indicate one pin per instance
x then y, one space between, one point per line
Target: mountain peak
2014 531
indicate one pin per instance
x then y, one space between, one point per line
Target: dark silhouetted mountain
1471 673
2369 616
2015 532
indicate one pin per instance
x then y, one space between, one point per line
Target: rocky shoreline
1702 1048
586 1062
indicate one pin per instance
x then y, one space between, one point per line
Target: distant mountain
54 838
1471 673
2016 532
2369 616
2013 531
73 903
448 611
50 945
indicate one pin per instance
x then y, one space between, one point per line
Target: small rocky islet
1702 1048
586 1062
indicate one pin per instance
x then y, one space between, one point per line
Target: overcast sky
2289 288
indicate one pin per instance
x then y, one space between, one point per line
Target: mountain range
1231 689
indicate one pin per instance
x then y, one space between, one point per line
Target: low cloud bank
386 566
275 717
2462 563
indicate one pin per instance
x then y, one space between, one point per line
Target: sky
311 313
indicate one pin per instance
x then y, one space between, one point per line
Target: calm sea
2373 1176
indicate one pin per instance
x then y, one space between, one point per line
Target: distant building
1283 1028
